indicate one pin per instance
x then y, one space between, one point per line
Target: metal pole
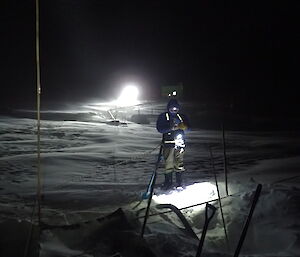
38 96
220 203
205 227
225 159
244 232
152 184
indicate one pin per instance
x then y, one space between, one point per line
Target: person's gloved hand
174 125
182 126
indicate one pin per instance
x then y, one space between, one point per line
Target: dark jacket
166 122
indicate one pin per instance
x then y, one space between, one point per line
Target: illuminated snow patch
191 195
99 106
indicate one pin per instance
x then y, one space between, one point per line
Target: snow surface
95 169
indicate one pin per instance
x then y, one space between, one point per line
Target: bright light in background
128 97
174 93
191 195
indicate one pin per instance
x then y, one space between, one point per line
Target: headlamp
173 110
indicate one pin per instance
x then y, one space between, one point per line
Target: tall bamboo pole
38 101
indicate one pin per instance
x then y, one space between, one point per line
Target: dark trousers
173 159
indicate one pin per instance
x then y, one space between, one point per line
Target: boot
178 179
168 181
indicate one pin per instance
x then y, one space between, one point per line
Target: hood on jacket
173 103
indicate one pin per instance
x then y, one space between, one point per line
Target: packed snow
96 162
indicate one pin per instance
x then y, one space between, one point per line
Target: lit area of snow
94 173
190 195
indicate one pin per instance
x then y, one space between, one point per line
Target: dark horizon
233 53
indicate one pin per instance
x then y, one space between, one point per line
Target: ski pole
207 220
151 188
244 232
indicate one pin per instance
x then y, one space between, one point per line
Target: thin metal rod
38 96
245 229
152 184
205 227
225 159
29 237
148 206
220 203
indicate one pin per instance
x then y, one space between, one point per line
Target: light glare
179 141
128 96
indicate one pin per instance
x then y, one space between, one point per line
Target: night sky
244 52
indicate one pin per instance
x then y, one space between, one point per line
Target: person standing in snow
173 125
